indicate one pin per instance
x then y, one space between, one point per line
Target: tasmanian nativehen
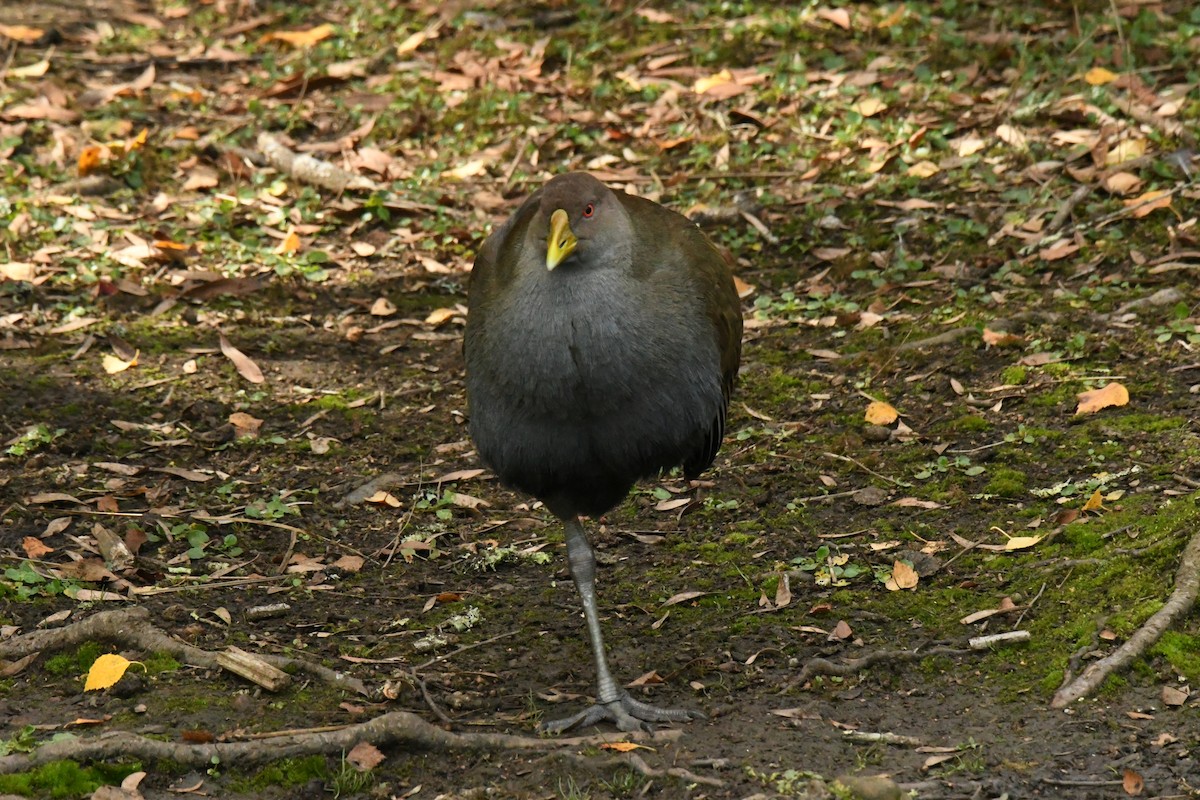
602 342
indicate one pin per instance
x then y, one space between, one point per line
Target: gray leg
612 702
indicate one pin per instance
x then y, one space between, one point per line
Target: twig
1187 585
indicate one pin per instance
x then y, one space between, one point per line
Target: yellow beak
561 242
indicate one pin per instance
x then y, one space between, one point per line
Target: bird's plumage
612 366
603 339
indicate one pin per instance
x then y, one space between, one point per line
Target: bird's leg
612 702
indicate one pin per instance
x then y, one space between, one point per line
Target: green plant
828 568
33 439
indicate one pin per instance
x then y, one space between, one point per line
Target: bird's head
580 213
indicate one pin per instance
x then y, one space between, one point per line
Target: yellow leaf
300 38
1021 542
34 70
624 747
1114 394
112 365
1095 502
412 42
869 106
439 316
923 169
702 85
106 670
880 413
1098 76
1126 150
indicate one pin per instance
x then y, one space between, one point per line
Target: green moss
160 662
284 773
1182 652
1145 423
1006 482
76 663
65 779
968 423
1014 375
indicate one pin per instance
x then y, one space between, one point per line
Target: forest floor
232 397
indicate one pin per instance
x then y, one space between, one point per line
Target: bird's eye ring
588 211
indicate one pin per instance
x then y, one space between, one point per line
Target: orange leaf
1148 202
1098 76
623 747
34 548
300 38
1000 339
880 413
1114 394
290 244
89 159
22 33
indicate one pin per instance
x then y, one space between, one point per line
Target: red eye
588 210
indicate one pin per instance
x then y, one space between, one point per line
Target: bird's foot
625 712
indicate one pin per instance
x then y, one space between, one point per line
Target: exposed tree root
850 666
1187 585
396 727
131 626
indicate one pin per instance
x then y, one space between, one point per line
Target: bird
602 342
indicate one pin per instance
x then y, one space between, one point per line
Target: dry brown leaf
1058 251
744 289
365 756
923 169
244 425
672 504
783 591
869 106
1012 136
683 597
1113 394
903 577
842 630
382 307
880 413
838 16
382 498
18 271
1122 183
245 367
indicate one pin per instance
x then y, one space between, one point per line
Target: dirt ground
432 584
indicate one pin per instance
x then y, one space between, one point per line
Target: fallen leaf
623 747
34 548
105 671
1098 76
22 33
382 307
112 365
903 577
880 413
923 169
838 16
683 597
245 367
1149 202
1113 394
1095 502
1000 338
440 315
365 756
1058 251
869 107
1021 542
299 38
1132 783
